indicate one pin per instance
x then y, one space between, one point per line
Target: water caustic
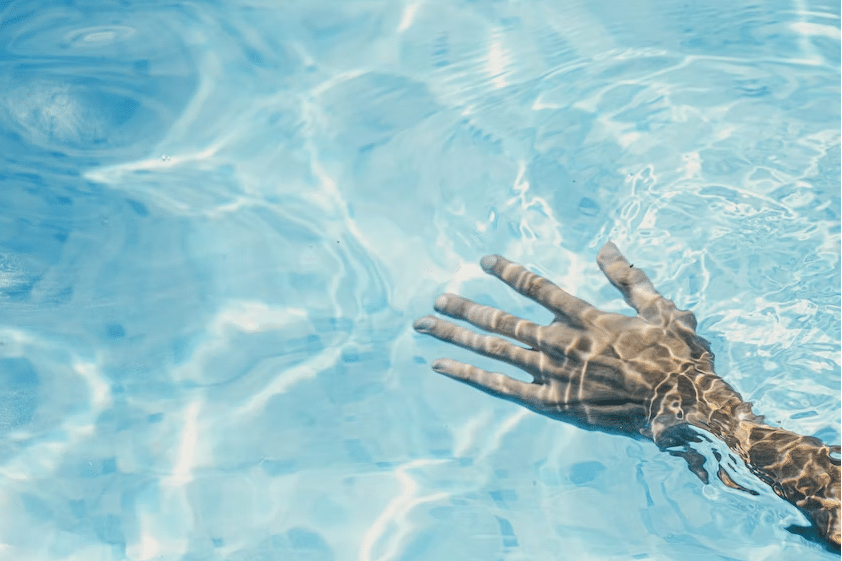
217 224
97 93
649 375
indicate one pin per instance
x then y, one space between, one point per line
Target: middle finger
485 345
489 319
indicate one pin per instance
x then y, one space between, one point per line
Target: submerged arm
800 469
650 375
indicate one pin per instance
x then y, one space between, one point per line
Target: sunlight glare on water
218 222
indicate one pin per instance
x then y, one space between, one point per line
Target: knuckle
494 346
536 284
510 324
686 318
582 345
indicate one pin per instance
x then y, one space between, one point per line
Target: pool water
218 221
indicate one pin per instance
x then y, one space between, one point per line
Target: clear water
218 219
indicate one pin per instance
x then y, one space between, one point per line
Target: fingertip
441 365
424 324
488 262
609 250
440 303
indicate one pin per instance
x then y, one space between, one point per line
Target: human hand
651 374
641 374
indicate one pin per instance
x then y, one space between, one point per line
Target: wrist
710 404
800 469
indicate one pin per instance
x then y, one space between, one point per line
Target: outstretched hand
629 374
650 375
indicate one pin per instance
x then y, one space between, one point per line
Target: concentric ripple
102 91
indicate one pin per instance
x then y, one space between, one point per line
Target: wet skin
650 375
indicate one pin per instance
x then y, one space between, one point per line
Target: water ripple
127 84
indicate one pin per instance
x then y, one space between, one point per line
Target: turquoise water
218 220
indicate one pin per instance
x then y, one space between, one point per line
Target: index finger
537 288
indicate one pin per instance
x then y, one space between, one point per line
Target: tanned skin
649 375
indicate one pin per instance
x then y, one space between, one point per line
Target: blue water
218 220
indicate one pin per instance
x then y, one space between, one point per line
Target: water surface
218 220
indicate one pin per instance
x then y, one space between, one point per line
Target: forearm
650 374
799 469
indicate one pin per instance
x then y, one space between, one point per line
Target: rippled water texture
217 221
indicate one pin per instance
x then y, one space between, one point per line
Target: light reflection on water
219 221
